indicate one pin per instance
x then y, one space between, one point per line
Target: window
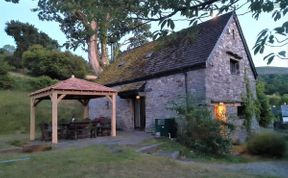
240 111
234 66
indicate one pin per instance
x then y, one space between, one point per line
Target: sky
23 13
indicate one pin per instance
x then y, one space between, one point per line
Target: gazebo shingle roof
75 84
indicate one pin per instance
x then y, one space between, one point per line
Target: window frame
234 66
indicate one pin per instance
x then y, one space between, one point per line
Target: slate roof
284 110
131 87
75 84
187 49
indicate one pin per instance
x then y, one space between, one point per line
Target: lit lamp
220 111
137 97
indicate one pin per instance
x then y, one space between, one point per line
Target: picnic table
78 129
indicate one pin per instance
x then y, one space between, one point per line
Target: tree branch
198 7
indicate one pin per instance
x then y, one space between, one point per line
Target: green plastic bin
166 127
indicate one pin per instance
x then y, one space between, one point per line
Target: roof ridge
74 83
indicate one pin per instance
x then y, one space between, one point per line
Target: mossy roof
187 48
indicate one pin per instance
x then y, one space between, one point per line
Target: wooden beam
60 98
41 95
109 98
85 93
113 118
54 118
37 101
84 102
32 119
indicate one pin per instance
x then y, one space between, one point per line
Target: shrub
41 82
267 144
4 68
5 82
55 64
265 115
201 132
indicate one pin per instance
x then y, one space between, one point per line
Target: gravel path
265 168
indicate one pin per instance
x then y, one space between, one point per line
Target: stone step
149 149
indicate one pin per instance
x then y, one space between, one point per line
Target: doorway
139 113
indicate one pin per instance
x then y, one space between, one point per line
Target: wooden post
32 119
86 109
113 118
54 100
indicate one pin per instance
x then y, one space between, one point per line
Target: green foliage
267 144
41 82
5 82
13 1
6 56
251 108
4 68
200 131
21 82
26 35
55 64
275 83
284 99
9 49
112 17
274 99
265 115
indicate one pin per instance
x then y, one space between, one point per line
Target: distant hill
271 70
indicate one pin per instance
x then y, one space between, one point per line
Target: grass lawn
100 161
15 111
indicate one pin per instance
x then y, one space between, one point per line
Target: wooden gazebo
72 88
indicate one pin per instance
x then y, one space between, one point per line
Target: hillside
15 105
271 70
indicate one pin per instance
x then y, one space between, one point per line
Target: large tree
91 24
163 12
26 35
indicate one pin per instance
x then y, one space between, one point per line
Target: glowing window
220 112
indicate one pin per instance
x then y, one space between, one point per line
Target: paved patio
122 138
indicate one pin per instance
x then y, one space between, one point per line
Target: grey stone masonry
221 85
160 95
124 113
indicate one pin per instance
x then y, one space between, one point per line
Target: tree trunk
104 54
93 51
103 38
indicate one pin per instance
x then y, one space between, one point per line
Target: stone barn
209 62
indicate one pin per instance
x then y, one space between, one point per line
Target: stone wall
220 83
124 113
222 86
196 85
160 93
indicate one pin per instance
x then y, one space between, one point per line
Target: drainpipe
186 89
